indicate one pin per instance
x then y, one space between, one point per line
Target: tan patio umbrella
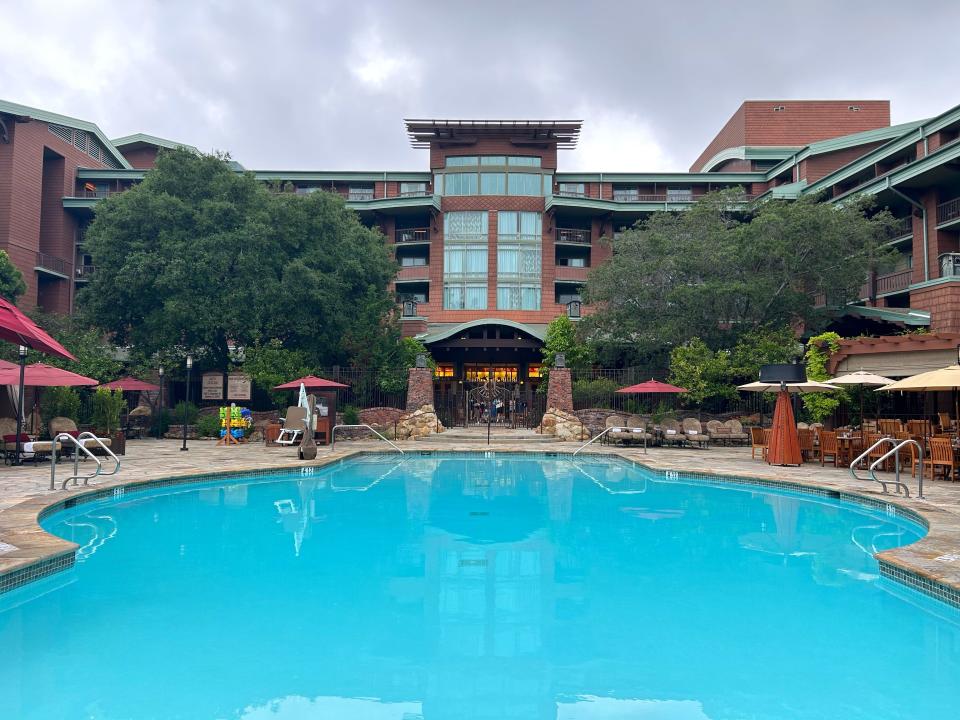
860 378
947 378
793 388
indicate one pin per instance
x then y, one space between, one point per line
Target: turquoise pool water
476 588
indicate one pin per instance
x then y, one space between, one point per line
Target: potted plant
107 406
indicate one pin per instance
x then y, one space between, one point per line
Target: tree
198 256
721 269
704 373
761 346
561 337
272 364
12 285
394 373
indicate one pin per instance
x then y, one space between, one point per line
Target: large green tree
12 285
198 256
721 269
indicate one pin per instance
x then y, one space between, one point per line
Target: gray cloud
325 85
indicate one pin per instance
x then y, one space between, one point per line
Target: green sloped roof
49 117
151 140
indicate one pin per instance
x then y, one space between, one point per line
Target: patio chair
59 425
694 432
757 442
718 432
877 452
672 432
737 433
941 456
637 430
617 434
805 436
293 426
829 448
946 422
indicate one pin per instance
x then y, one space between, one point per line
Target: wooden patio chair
877 452
828 447
941 456
805 436
757 442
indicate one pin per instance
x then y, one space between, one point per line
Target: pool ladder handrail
80 445
333 433
618 428
895 452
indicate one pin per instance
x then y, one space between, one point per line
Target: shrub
161 422
60 402
351 416
208 425
598 393
107 406
191 409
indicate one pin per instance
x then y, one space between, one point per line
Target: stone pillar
419 388
560 390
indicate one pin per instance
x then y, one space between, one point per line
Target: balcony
949 211
95 194
573 236
903 227
51 265
887 284
565 273
84 272
414 273
412 235
415 193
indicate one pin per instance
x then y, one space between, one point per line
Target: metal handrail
333 433
609 429
76 463
87 435
895 452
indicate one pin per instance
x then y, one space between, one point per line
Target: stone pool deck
932 564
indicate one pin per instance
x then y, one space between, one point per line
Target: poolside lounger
293 426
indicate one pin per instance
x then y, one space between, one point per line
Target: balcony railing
412 235
894 282
573 235
948 211
571 194
53 264
415 193
84 272
574 274
414 272
95 194
903 227
950 265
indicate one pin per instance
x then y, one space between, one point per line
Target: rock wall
595 419
563 425
560 390
419 424
381 417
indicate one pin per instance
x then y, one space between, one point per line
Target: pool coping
930 566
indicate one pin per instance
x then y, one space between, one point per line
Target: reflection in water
474 589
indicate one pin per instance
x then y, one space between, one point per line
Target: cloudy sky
325 85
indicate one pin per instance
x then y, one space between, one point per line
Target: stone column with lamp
421 419
558 419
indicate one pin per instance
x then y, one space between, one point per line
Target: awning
898 364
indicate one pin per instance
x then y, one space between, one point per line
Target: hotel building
494 239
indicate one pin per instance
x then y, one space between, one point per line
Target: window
679 194
461 184
519 251
534 371
625 194
360 192
523 161
572 262
413 188
523 184
443 371
438 184
465 260
413 261
493 184
494 160
461 161
573 189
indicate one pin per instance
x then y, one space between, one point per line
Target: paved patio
24 491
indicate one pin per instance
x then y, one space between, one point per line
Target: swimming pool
468 587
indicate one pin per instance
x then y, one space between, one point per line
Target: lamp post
23 364
186 403
160 405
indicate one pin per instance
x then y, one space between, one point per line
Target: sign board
238 386
212 388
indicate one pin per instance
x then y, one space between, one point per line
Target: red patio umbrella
652 386
310 382
17 328
130 384
43 375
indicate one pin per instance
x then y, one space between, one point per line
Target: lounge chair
614 423
30 449
59 425
673 432
694 432
636 430
737 433
293 426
